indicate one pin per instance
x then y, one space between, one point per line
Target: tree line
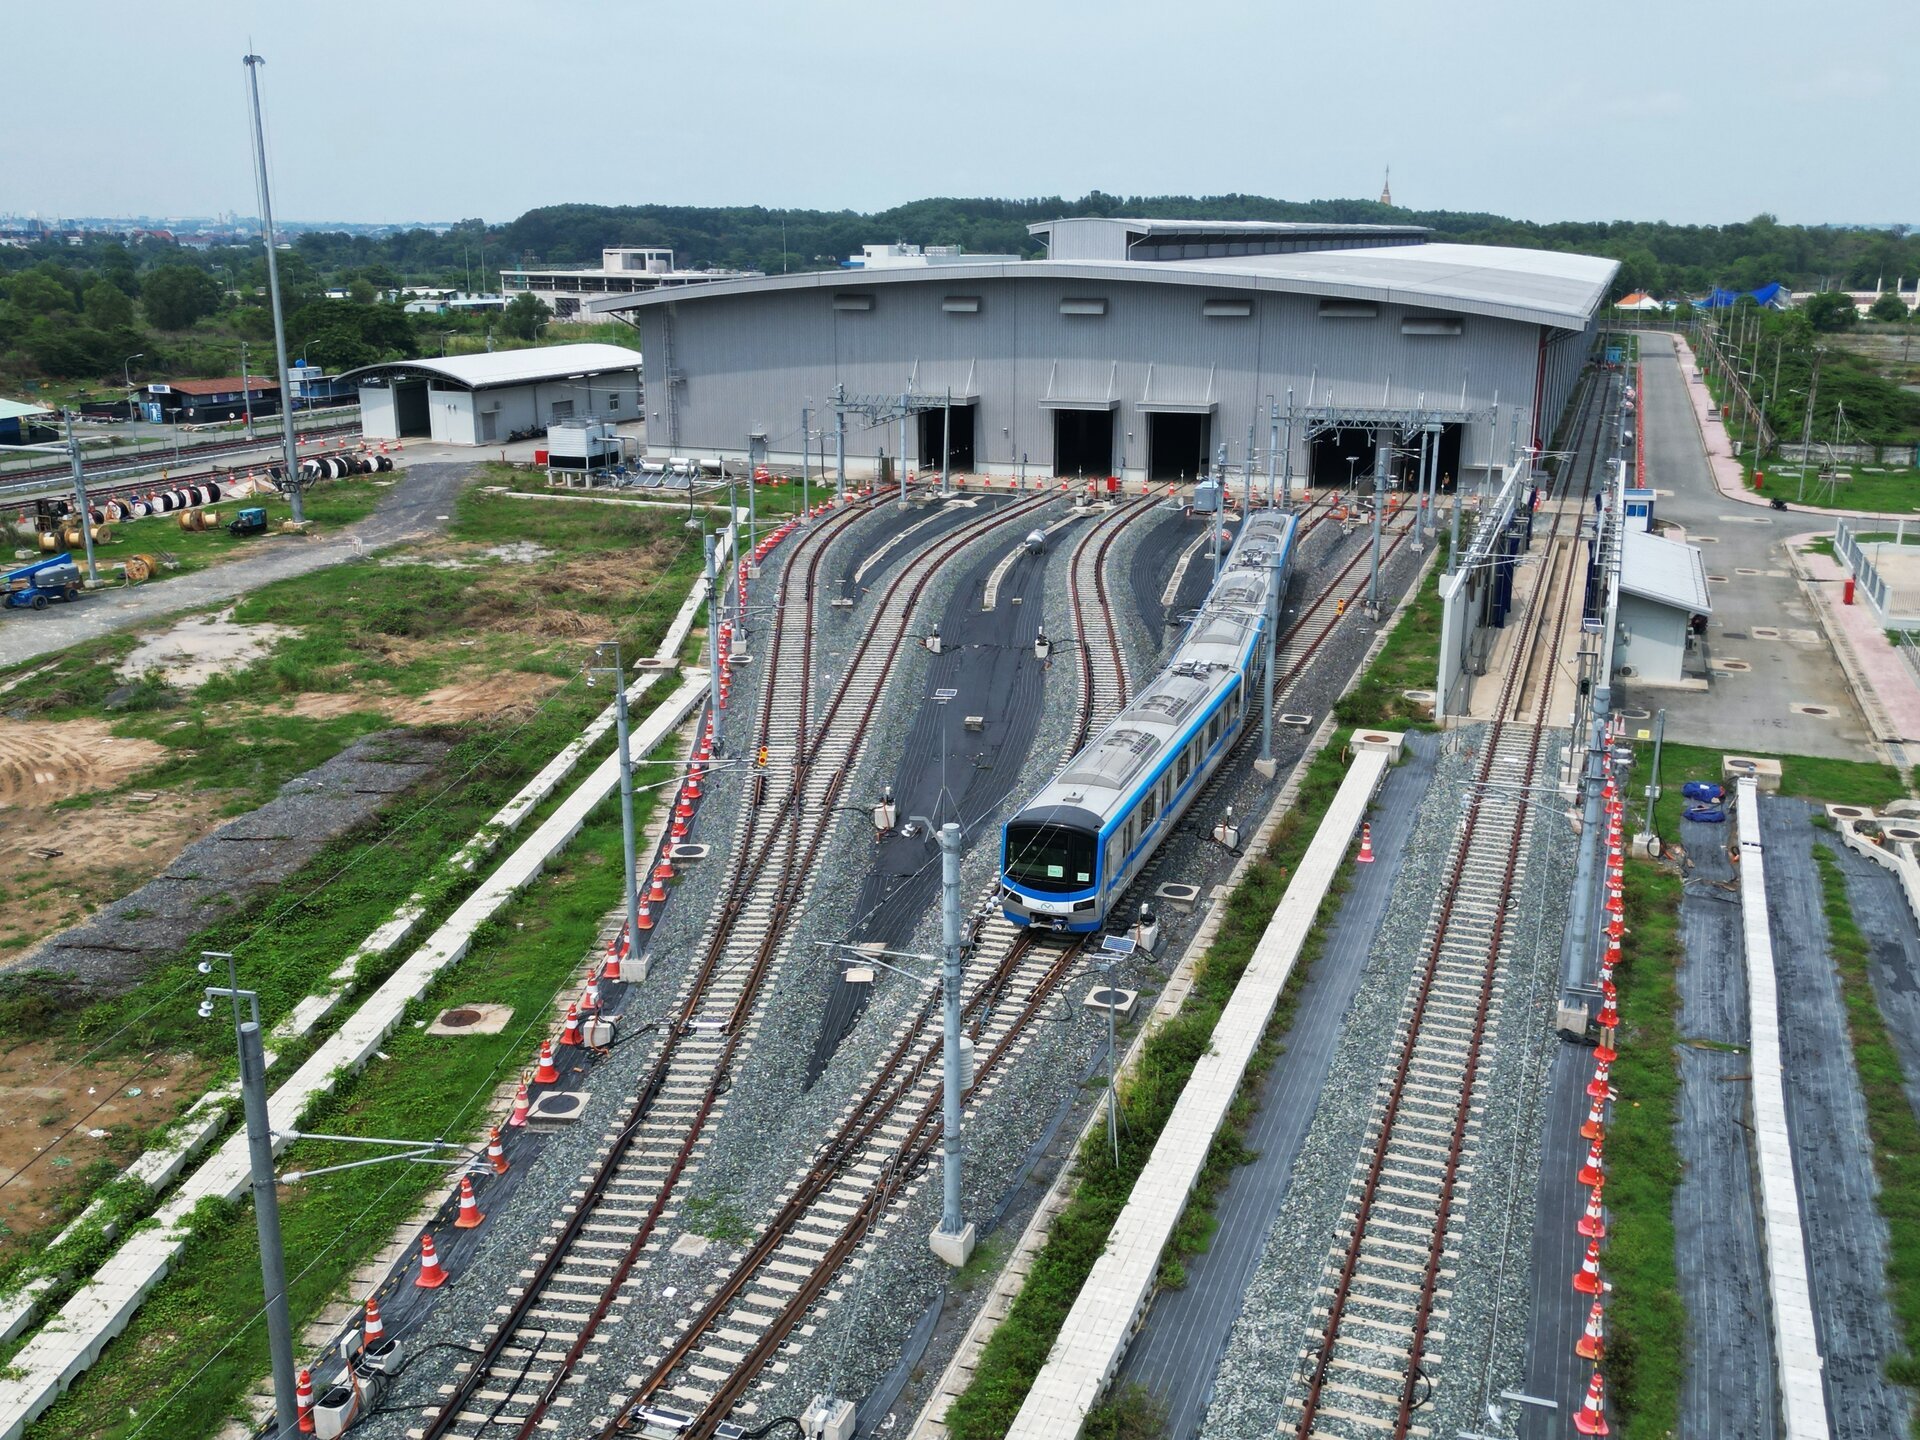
81 310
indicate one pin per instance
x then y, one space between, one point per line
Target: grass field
1646 1321
374 645
1835 782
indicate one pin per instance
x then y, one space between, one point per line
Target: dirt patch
44 762
104 850
478 698
193 651
59 1121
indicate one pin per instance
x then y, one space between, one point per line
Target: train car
1071 851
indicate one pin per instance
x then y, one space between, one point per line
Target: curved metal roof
506 367
1541 287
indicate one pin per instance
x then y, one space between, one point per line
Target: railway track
546 1338
102 484
1104 681
1386 1287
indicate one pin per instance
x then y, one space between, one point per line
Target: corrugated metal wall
751 362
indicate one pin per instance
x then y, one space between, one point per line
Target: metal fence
1866 576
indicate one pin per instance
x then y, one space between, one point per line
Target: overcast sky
1685 110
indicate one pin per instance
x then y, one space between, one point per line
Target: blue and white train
1070 854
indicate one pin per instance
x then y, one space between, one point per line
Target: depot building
484 399
1137 348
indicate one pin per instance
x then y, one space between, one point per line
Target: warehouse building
484 399
567 290
1136 347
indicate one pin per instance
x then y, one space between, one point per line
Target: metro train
1071 851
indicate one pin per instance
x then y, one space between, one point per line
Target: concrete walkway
1797 1363
418 505
1096 1331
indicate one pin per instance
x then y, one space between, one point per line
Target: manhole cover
1733 635
1738 666
1743 570
1706 539
1717 579
1765 632
459 1019
477 1019
1814 710
1901 832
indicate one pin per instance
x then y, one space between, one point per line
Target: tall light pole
126 374
253 64
246 389
619 673
955 1236
713 636
80 496
266 1202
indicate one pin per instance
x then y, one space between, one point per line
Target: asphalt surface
417 506
1177 1352
1727 1387
1748 709
1832 1155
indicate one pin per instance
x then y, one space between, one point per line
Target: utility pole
946 442
756 452
80 495
1246 473
253 64
806 459
1653 785
1270 648
246 388
953 1242
1219 511
1273 444
840 443
266 1203
902 460
1287 486
1383 445
713 641
619 674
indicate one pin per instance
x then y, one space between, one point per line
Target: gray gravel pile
1252 1384
239 862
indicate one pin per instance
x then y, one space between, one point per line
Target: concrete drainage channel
71 1341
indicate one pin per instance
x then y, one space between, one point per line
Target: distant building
623 270
198 402
454 302
18 419
484 399
1386 187
1640 300
897 256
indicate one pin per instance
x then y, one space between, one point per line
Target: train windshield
1049 857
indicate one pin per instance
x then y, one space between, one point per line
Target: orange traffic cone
1593 1224
1587 1281
590 997
544 1073
374 1330
611 970
1609 1016
1598 1086
657 892
469 1217
1365 857
520 1105
1592 1343
1591 1418
303 1397
663 872
497 1152
431 1276
1594 1171
643 917
570 1032
1596 1122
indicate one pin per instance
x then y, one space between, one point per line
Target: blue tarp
1774 296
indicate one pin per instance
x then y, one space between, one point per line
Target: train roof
1201 668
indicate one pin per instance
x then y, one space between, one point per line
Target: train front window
1049 857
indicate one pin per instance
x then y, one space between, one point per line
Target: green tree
1888 307
107 308
178 295
360 290
1831 310
524 316
38 293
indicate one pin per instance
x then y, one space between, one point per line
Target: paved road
415 507
1760 616
1178 1350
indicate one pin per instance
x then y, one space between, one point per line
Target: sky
1692 111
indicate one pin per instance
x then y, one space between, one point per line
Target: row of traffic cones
1591 1417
